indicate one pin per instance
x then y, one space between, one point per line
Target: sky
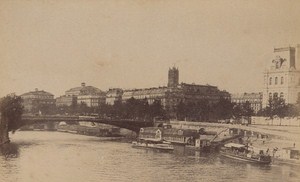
55 45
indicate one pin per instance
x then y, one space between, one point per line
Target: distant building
282 78
175 93
113 95
151 94
65 100
35 100
173 77
91 100
83 90
194 93
89 95
255 100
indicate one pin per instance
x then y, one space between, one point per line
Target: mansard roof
196 85
38 92
83 90
152 90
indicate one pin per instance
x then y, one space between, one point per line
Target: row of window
276 81
275 95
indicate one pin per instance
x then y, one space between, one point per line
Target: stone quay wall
256 120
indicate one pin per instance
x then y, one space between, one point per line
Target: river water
38 156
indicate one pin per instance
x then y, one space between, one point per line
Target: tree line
202 110
131 109
11 110
278 108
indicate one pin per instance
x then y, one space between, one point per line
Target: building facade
65 100
173 77
83 90
113 95
91 100
282 78
255 100
36 100
170 97
89 95
151 94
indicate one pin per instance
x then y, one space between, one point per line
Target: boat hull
244 158
160 146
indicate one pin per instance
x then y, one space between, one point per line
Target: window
276 79
281 95
270 95
270 81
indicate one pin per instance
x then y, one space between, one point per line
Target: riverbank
287 133
285 140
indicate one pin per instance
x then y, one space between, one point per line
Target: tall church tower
173 77
282 79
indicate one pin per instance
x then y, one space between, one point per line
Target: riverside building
255 100
282 78
89 95
113 95
34 100
176 92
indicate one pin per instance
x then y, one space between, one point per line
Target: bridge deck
133 125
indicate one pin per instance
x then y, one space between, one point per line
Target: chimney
83 84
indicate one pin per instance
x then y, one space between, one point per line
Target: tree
11 112
223 109
291 110
247 110
83 108
277 108
117 109
204 109
242 110
156 109
130 108
237 110
181 111
143 108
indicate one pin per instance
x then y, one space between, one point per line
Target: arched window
270 81
276 79
281 95
282 81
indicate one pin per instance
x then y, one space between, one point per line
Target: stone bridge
133 125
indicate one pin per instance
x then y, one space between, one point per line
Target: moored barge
245 153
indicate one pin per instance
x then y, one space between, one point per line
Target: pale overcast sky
56 45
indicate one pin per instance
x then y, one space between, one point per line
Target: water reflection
38 156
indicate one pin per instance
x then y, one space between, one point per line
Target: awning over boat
236 145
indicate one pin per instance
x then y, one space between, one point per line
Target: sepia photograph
149 90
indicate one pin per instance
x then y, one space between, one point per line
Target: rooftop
37 92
